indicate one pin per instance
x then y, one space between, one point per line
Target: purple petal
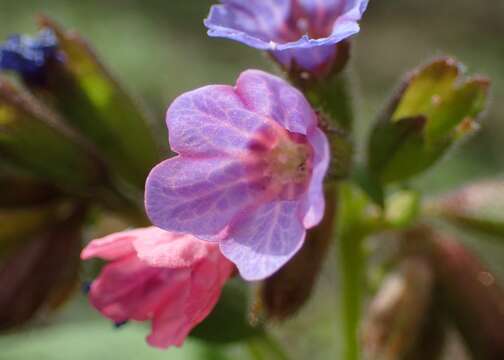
312 59
198 196
260 243
313 205
264 25
333 8
211 121
271 96
255 23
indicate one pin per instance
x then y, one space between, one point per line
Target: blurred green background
159 49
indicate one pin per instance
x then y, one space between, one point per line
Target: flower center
283 161
289 161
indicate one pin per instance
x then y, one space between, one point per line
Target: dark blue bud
120 324
86 287
29 56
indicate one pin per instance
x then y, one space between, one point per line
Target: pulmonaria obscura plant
260 185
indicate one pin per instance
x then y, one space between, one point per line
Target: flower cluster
247 180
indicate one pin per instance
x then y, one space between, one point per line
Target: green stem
353 226
351 261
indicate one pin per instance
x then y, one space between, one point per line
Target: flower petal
127 289
211 121
313 205
273 97
172 250
199 196
255 23
260 243
180 313
111 247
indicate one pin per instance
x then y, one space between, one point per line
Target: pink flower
248 174
172 279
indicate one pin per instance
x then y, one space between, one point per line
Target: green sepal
228 322
433 109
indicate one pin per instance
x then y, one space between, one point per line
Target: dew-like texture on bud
174 280
297 33
479 206
249 171
28 56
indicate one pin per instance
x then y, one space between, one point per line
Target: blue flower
301 33
29 56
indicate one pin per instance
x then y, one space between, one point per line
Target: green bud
435 107
92 101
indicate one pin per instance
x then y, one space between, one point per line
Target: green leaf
228 322
32 138
434 107
93 102
356 217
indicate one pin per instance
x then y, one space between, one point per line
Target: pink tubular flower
249 171
172 279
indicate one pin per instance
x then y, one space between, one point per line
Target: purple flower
248 174
300 33
28 56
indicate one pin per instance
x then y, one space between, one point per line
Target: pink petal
172 250
198 196
253 22
264 240
127 289
111 247
182 311
211 121
271 96
313 205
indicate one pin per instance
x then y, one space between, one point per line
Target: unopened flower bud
396 315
